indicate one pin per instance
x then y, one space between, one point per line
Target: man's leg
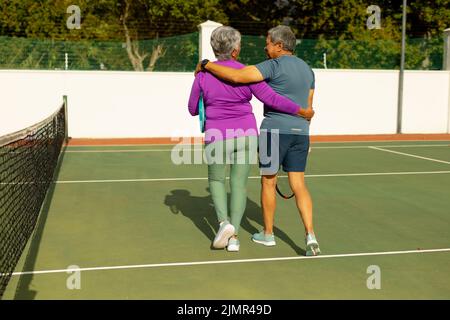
269 155
268 201
294 165
303 199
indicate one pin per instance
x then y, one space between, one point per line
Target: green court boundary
367 146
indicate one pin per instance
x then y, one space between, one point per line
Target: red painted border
330 138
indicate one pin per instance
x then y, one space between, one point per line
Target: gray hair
224 40
283 35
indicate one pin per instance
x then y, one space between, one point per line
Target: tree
161 17
128 20
138 34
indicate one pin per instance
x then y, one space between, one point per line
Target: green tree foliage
338 29
102 39
147 38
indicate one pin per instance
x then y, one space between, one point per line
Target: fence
181 53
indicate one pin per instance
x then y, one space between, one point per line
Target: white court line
180 264
410 155
255 177
199 144
201 149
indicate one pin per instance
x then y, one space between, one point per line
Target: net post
66 123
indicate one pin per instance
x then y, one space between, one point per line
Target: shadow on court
200 210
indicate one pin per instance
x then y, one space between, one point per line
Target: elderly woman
231 130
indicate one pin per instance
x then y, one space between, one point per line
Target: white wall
355 102
26 97
131 104
426 102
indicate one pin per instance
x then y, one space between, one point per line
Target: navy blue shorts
287 150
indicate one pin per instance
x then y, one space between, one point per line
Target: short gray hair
283 35
224 40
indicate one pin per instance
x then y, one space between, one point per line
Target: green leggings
238 153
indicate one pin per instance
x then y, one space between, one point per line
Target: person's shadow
200 210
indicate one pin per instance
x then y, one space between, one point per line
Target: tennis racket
283 187
201 113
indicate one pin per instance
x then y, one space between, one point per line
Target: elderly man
288 134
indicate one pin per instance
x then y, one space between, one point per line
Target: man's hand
308 113
198 68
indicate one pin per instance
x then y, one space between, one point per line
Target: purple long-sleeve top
228 107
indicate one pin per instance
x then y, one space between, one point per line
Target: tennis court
140 227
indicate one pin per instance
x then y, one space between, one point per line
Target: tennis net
28 161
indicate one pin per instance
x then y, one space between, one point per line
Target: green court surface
141 227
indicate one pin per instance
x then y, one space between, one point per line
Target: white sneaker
226 231
312 246
233 245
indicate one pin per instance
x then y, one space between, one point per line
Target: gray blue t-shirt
291 77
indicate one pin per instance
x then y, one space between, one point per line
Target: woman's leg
238 181
216 179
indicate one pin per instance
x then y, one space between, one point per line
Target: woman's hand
308 113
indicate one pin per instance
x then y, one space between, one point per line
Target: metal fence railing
181 53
